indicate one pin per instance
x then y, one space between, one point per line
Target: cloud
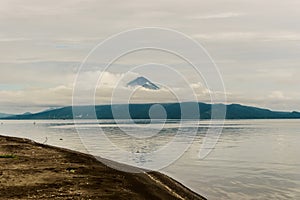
43 43
36 97
105 87
34 8
278 95
255 36
276 74
223 15
16 39
42 74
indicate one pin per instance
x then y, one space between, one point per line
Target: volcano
143 82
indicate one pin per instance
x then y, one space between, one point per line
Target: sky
255 44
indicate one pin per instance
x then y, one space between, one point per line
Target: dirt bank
30 170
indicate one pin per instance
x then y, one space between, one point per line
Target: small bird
45 140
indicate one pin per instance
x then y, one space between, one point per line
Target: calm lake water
253 159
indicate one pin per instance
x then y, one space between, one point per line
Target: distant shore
29 170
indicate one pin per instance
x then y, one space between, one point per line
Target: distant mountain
4 115
27 113
172 111
143 82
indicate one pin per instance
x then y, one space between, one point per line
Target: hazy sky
256 45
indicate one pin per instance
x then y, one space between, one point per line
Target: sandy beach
29 170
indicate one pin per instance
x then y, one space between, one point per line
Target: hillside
4 115
173 111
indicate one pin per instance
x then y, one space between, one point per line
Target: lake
253 159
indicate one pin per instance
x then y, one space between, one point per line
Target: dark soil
30 170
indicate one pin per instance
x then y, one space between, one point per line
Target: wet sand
29 170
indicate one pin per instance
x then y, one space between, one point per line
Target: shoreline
30 170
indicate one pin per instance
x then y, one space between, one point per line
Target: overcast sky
256 45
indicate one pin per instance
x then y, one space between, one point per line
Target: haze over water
254 159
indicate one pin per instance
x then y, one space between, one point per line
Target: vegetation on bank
7 156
